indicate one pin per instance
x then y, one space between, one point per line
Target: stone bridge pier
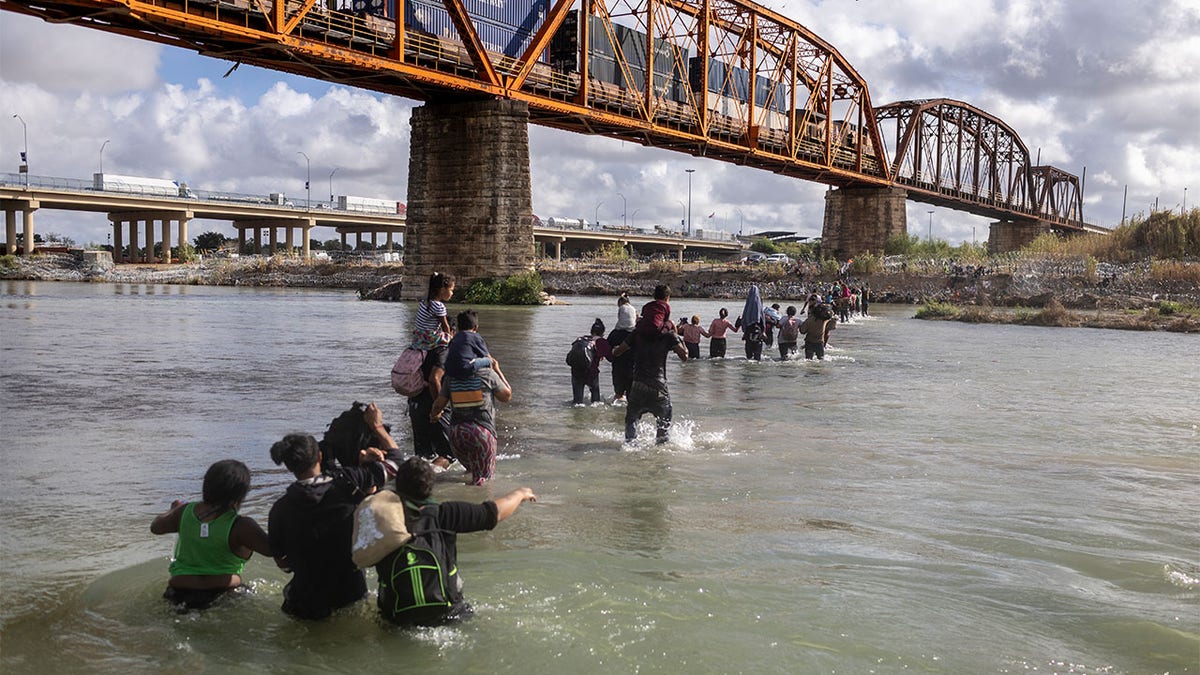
1008 235
862 219
470 208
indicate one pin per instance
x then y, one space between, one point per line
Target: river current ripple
936 497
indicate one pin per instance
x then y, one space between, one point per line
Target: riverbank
1024 282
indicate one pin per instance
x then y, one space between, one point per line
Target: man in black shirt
414 483
648 393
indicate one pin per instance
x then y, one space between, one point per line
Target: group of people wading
312 524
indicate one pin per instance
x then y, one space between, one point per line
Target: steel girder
802 111
946 151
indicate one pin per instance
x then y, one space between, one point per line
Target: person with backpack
310 527
789 333
472 417
816 329
214 541
584 359
419 583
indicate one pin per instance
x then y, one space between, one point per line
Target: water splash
685 437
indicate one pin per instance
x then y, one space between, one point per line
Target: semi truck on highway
154 187
369 205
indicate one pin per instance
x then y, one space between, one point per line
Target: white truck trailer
154 187
368 205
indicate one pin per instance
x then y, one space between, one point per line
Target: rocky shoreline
1030 283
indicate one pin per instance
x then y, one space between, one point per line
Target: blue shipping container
435 20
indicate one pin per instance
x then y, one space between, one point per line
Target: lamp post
307 179
930 226
331 186
102 146
689 209
682 221
624 209
633 217
1183 209
25 153
596 218
741 219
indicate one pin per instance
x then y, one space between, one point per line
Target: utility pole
689 209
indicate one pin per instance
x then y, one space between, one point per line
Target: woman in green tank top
214 541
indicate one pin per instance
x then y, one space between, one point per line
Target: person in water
816 329
589 376
311 525
473 411
692 332
467 352
214 542
431 440
716 332
789 333
622 367
414 483
751 323
649 392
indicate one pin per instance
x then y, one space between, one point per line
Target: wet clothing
815 331
430 439
581 379
789 335
691 338
649 392
203 548
475 447
453 518
472 416
717 347
195 598
467 352
622 366
310 529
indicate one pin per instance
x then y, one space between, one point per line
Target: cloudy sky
1110 86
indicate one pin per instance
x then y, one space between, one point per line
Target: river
935 497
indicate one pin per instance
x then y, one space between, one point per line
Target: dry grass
1163 234
1175 270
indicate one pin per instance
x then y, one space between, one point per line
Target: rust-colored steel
798 109
950 153
739 83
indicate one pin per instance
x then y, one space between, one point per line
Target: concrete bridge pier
470 209
1012 235
131 221
25 207
304 225
862 219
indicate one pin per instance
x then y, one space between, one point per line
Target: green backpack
418 585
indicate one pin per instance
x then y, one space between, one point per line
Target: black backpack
583 350
823 312
418 585
347 434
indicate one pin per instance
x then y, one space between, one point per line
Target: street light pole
596 218
633 217
307 180
741 219
331 186
624 209
25 153
689 215
102 146
930 226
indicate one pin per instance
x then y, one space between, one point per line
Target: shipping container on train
523 14
564 46
432 18
734 82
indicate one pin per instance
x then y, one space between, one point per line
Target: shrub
976 314
519 289
830 267
1167 308
900 244
613 251
764 245
1054 314
1171 270
937 310
660 267
865 263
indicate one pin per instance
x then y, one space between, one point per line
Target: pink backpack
407 378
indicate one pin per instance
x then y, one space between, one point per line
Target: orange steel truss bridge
732 80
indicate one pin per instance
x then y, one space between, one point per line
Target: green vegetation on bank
1163 235
1165 315
519 289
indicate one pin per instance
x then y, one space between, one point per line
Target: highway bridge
729 80
145 226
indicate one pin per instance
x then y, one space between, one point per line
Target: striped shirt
429 315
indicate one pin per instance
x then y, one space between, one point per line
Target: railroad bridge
728 80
